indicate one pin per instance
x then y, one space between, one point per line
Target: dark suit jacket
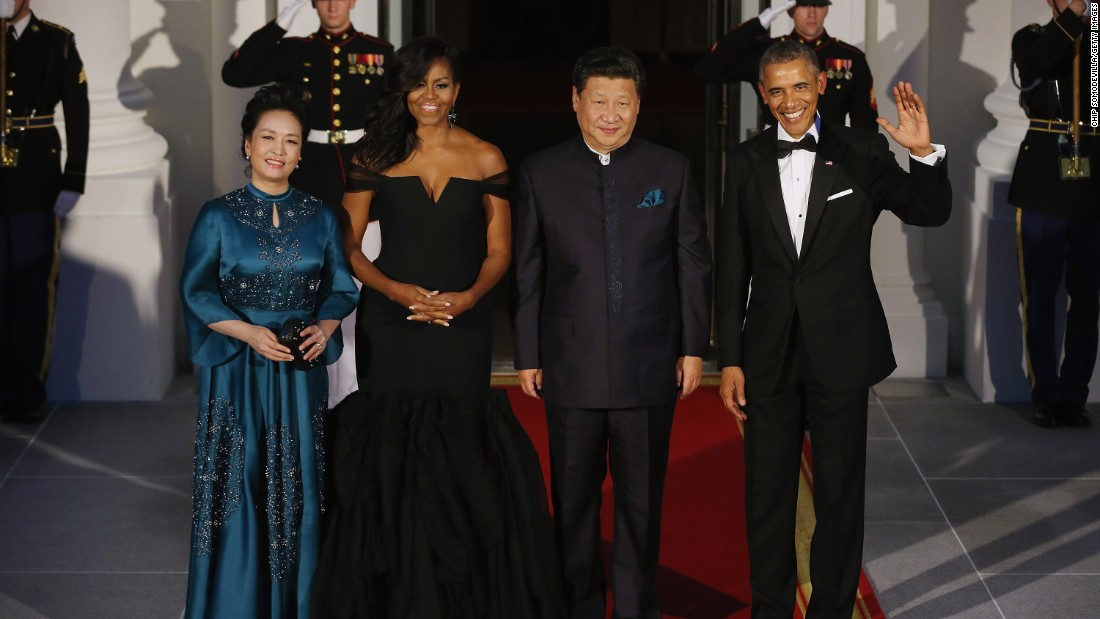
611 286
829 289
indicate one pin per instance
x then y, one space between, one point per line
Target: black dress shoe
1046 416
1074 416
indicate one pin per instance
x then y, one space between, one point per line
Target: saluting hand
912 131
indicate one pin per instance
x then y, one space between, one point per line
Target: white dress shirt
796 173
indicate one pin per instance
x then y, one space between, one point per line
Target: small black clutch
290 335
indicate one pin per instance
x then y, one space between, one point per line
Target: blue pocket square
653 198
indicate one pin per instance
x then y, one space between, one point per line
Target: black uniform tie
786 147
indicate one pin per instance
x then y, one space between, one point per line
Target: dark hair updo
284 97
390 129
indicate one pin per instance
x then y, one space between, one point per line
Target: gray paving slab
895 490
1032 596
114 439
919 570
1026 526
878 425
92 596
969 439
100 524
13 442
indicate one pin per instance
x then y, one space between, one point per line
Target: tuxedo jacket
828 289
612 274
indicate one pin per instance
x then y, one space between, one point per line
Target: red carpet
704 556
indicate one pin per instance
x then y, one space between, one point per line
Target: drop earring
452 117
247 157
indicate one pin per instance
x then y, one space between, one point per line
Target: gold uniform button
336 123
336 92
11 92
305 79
336 49
367 80
335 107
336 76
335 62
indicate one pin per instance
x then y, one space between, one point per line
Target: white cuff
939 151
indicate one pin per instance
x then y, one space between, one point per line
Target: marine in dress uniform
342 71
42 69
1057 219
849 92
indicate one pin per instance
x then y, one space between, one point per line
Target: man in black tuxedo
802 350
611 313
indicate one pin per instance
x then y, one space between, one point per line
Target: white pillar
113 332
897 48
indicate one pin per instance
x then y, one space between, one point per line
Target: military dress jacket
850 89
1043 55
343 72
44 69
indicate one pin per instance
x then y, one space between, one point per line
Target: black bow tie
786 147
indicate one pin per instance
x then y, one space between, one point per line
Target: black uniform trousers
635 443
774 431
29 261
1051 250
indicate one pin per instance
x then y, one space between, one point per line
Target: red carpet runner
704 554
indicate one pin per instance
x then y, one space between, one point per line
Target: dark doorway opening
519 57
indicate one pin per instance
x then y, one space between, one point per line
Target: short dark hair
287 97
786 51
610 62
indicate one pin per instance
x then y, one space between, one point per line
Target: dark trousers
635 443
29 261
1051 249
837 423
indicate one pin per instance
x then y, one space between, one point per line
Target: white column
897 47
114 333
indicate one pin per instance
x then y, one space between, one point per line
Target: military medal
848 69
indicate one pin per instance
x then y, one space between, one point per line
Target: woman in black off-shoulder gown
439 507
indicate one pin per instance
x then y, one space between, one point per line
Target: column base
117 298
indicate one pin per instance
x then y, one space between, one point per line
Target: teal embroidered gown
438 501
259 446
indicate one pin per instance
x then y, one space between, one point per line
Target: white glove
768 15
286 16
7 8
66 200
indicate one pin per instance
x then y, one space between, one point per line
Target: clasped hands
266 343
431 306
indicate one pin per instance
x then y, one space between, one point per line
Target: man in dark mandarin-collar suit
612 318
801 350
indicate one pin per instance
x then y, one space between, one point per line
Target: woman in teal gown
258 256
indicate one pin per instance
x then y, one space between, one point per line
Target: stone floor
971 510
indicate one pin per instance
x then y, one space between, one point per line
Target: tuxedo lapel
826 167
767 178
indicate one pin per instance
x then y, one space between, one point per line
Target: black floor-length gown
439 507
